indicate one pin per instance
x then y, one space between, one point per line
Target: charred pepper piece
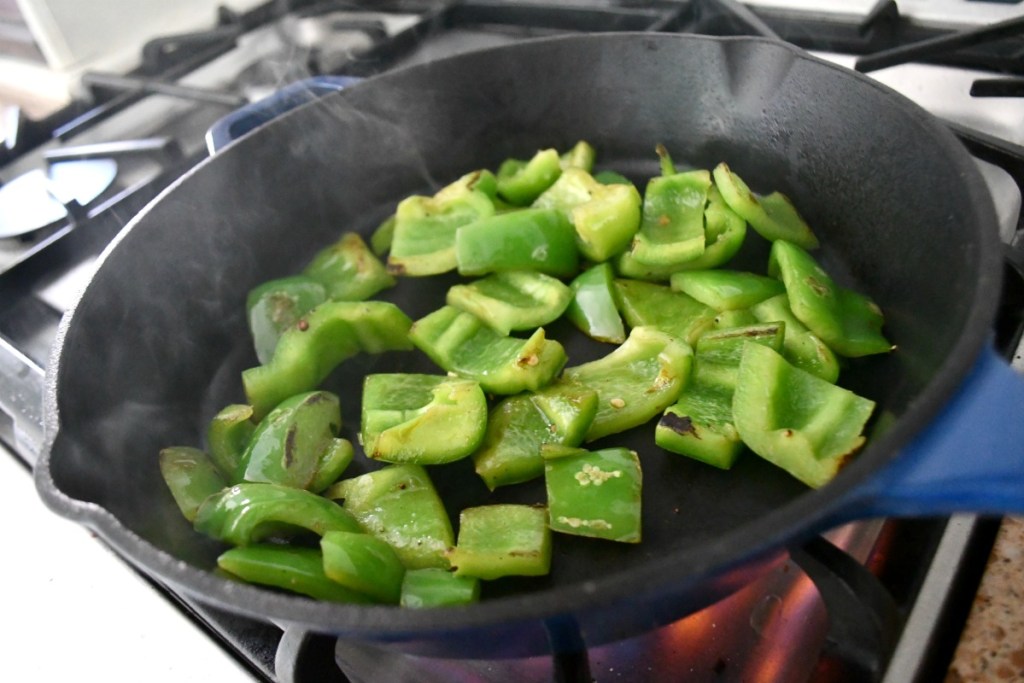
364 564
191 476
228 437
423 242
296 569
700 423
438 587
672 228
516 300
502 540
519 425
726 290
594 493
293 442
849 322
605 217
276 305
421 419
459 342
313 347
801 347
772 216
522 181
803 424
592 309
246 513
400 505
636 381
649 305
540 240
349 270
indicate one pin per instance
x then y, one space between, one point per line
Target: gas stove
131 134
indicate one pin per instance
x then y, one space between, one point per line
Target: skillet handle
253 115
971 458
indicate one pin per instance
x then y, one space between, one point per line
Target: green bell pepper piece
363 563
400 505
313 347
801 347
191 476
228 437
520 182
849 322
726 290
246 513
502 540
292 568
349 270
459 342
515 300
423 242
636 381
542 240
741 317
519 425
382 236
772 216
594 493
724 233
700 424
592 309
277 305
672 227
438 587
421 419
611 178
582 156
333 463
292 442
803 424
650 305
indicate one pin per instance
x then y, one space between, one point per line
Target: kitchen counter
992 645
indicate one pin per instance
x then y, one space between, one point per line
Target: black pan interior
157 343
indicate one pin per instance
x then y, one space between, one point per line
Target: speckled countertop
992 645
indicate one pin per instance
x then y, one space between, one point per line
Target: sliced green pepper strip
421 419
801 347
592 309
459 342
582 156
349 270
313 347
290 442
773 216
605 217
520 182
594 493
228 437
700 424
516 300
519 425
400 505
803 424
650 305
850 323
438 587
191 476
541 240
363 563
636 381
672 228
424 237
726 290
296 569
244 514
333 463
502 540
276 305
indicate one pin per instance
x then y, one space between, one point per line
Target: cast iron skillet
157 341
